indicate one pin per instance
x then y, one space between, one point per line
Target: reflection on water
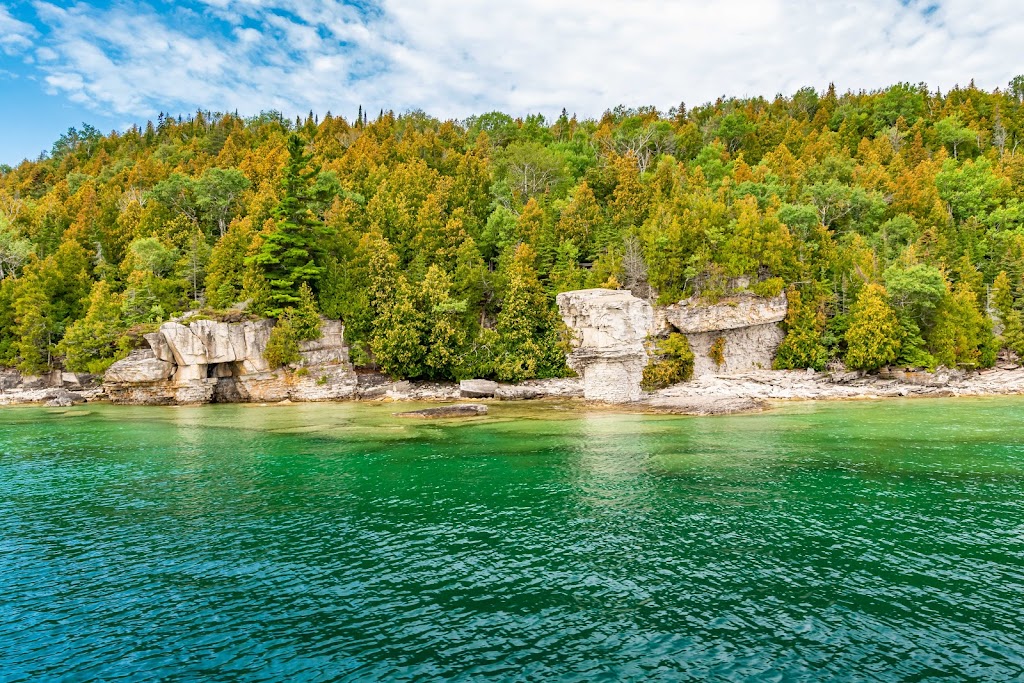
334 542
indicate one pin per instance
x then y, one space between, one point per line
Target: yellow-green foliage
671 362
805 325
773 286
827 189
90 344
717 351
962 335
283 345
874 335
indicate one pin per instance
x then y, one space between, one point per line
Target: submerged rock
459 410
65 399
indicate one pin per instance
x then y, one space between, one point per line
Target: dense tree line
895 220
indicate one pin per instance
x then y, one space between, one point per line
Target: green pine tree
288 256
90 344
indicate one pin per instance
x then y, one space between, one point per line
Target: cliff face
610 328
748 326
611 325
208 361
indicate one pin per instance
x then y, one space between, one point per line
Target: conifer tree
962 336
225 271
90 344
873 337
33 314
305 317
443 328
804 325
288 255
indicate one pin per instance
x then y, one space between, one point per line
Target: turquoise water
855 541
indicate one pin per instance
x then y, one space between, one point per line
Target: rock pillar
610 327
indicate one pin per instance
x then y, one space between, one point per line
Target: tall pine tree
289 254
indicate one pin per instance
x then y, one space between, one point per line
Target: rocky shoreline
706 395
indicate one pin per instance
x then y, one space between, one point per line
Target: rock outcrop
747 325
55 388
610 327
206 361
738 334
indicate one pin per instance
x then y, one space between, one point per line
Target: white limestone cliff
205 361
610 327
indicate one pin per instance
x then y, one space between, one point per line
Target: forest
894 220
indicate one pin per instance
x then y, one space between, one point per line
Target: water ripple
329 544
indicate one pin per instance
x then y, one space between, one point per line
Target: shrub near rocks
672 362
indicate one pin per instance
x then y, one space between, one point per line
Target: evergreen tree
33 314
443 326
226 268
803 345
90 344
527 332
962 336
283 344
288 255
873 337
305 318
396 343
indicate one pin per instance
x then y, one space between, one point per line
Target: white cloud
15 36
456 58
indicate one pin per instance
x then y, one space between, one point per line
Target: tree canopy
443 243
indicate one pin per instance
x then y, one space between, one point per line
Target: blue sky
115 63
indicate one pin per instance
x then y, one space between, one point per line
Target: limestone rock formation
477 388
205 361
141 366
747 325
610 327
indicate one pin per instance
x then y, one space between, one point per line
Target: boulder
477 388
141 366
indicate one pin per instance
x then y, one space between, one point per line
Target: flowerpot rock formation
738 334
609 327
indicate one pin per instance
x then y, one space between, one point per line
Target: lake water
844 542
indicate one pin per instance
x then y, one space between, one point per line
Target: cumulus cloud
454 58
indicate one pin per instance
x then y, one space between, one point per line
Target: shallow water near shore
818 541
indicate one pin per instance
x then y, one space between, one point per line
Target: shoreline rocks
209 361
